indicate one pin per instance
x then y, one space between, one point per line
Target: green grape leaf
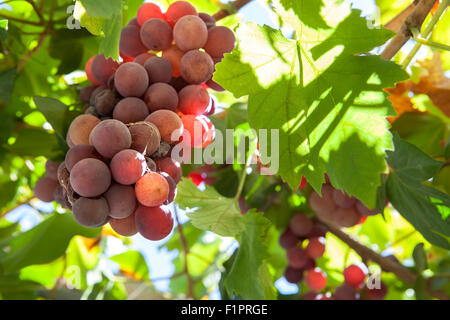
132 263
326 100
110 43
102 8
57 114
43 243
215 213
251 254
7 80
36 142
420 204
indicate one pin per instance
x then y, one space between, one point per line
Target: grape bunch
119 168
336 206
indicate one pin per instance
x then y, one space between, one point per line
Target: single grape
193 99
81 127
143 57
323 206
310 264
88 70
80 152
296 257
300 225
172 188
354 275
196 67
125 227
362 209
342 199
195 130
95 93
156 34
179 9
130 110
345 292
85 93
288 239
128 166
152 190
130 41
154 223
105 102
103 68
318 230
168 123
315 248
148 11
90 178
121 200
378 293
293 275
221 40
346 217
161 96
171 167
131 80
214 85
91 213
110 137
190 32
174 55
133 22
159 70
51 169
209 20
316 279
145 137
45 188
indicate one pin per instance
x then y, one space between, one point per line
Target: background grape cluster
119 169
304 242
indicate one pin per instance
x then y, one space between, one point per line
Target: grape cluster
118 168
336 206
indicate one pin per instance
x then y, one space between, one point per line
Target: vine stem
437 15
434 44
414 20
232 8
243 177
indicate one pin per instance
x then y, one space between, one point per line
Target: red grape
362 209
110 137
156 34
128 166
45 188
130 41
193 99
342 199
345 292
152 189
171 167
293 275
346 217
91 213
316 279
51 169
154 223
196 67
300 225
354 275
121 200
159 70
88 70
131 80
297 257
80 152
168 123
148 11
145 137
288 239
316 247
161 96
130 110
90 178
172 188
190 32
378 294
174 55
209 20
81 127
179 9
143 57
195 130
125 227
221 40
103 68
